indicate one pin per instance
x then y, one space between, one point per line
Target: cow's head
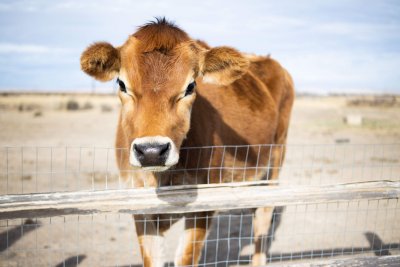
156 70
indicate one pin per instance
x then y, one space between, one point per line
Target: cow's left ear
223 65
101 61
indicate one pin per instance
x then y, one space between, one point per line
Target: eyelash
121 85
190 88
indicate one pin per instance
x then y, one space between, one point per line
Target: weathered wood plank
355 261
182 199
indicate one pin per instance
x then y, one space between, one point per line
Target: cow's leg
261 225
150 231
263 216
191 243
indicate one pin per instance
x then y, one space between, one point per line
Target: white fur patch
153 247
189 79
173 155
187 240
208 78
124 78
183 240
259 259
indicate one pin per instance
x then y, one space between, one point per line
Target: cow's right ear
223 65
101 61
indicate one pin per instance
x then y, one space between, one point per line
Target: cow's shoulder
273 75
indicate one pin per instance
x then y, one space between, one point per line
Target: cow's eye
190 88
121 85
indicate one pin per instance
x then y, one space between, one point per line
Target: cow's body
251 105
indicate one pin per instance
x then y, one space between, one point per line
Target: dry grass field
35 120
46 124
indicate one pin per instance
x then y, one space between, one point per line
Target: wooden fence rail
182 199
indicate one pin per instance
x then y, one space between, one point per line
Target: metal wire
54 169
298 232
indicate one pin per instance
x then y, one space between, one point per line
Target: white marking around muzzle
172 159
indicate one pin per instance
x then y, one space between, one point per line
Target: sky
330 46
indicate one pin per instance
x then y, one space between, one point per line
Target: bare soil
68 143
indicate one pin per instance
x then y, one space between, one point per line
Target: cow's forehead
156 70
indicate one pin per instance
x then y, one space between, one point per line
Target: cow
178 92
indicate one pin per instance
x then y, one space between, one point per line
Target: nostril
138 149
164 148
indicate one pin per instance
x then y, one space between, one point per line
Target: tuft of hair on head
161 21
160 35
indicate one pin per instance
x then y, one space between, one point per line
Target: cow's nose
151 154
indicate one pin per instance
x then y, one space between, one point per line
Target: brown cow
177 92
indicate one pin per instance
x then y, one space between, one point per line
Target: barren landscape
40 119
345 138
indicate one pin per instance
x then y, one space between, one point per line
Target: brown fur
248 103
101 60
191 254
161 36
225 65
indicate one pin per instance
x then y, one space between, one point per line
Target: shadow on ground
71 261
10 236
225 237
225 242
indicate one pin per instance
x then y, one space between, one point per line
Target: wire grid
298 232
54 169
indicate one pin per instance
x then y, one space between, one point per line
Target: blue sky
328 46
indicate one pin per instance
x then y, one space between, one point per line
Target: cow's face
157 91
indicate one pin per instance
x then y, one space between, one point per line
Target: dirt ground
65 142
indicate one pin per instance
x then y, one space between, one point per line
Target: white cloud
358 30
6 48
329 70
322 43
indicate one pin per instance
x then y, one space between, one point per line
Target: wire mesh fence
54 169
314 231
